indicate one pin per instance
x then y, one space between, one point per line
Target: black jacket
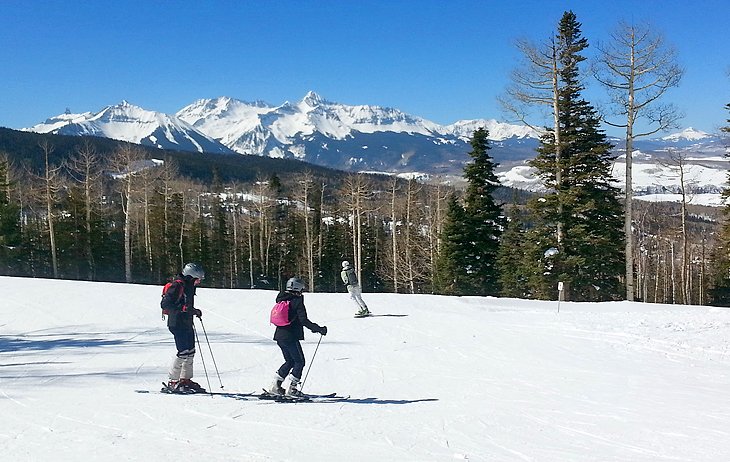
180 308
297 317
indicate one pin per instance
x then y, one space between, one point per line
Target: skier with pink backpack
289 315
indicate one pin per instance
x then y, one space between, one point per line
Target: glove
198 313
323 330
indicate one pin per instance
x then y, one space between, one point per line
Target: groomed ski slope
478 379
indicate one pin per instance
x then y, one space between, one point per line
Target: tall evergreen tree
512 277
590 255
473 230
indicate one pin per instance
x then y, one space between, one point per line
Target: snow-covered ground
456 378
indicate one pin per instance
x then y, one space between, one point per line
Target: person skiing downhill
353 287
179 302
289 336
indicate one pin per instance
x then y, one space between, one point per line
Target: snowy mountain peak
688 134
498 131
313 99
308 129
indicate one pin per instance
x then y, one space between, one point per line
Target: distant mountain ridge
127 122
313 129
365 138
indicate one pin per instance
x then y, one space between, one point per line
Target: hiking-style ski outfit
353 287
179 302
288 338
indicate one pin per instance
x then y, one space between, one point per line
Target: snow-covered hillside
656 169
430 379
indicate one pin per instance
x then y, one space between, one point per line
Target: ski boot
293 391
170 386
364 312
276 388
188 386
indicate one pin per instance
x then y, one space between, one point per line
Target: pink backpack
280 314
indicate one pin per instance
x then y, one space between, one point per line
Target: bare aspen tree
249 225
638 68
305 187
408 238
126 164
434 222
320 234
644 243
51 180
148 177
536 84
85 168
356 187
169 189
235 212
181 234
262 205
394 231
678 160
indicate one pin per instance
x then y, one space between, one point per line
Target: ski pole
202 357
211 352
311 361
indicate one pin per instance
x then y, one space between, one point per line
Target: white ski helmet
346 265
193 270
295 285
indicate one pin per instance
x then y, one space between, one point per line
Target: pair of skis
265 395
329 397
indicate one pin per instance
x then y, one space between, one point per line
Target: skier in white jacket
353 287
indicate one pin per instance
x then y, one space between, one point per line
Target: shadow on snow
40 343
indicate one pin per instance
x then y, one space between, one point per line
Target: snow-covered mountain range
371 138
314 129
127 122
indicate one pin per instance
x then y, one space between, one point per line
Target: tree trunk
49 187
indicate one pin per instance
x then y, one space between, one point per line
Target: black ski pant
184 340
293 359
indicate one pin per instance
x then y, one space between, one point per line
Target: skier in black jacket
288 338
179 301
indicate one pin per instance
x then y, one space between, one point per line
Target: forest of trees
111 212
120 216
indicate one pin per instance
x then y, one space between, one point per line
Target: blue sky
441 60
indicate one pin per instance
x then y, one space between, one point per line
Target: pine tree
513 278
590 253
449 276
472 232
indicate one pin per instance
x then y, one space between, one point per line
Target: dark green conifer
590 249
471 235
